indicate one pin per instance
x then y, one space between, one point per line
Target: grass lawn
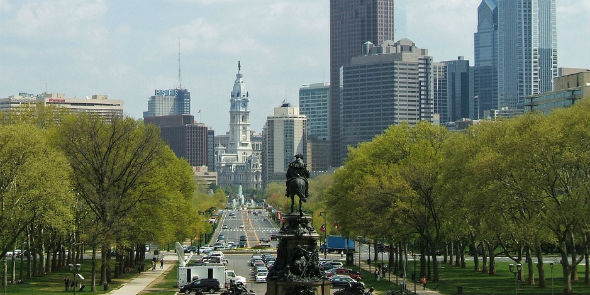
452 277
53 283
167 285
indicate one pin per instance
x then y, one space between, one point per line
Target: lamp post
325 232
515 272
414 273
551 267
74 269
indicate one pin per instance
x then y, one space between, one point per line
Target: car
221 238
345 272
339 281
202 285
261 276
336 264
190 249
255 259
242 244
232 214
273 236
225 226
266 257
241 226
265 240
243 238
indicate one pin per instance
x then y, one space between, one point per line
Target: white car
261 276
241 226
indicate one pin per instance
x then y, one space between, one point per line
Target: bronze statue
297 175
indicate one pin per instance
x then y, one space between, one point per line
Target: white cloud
5 6
57 19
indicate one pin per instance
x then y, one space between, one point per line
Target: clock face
244 104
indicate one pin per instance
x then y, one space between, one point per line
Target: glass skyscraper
169 102
352 23
515 51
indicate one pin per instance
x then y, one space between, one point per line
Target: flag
323 228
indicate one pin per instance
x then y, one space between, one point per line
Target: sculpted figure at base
297 184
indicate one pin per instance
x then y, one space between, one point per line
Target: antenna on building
179 72
239 66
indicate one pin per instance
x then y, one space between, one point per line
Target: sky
128 48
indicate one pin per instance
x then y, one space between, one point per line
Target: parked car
242 244
339 281
345 272
202 285
243 238
225 226
221 238
190 249
273 236
241 226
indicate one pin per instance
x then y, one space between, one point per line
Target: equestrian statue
297 175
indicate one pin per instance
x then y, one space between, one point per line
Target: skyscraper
515 51
453 90
169 102
313 103
284 135
353 22
379 90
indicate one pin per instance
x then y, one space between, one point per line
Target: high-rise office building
188 140
283 136
169 102
353 22
313 103
235 163
389 87
453 90
515 51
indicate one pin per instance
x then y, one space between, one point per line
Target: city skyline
126 50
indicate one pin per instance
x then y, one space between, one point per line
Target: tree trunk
566 269
574 264
29 269
22 263
422 260
4 274
462 256
529 259
451 253
435 277
540 269
41 266
14 264
484 258
445 253
93 271
492 264
457 254
473 249
48 253
390 261
103 267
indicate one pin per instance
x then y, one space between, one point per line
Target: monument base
298 288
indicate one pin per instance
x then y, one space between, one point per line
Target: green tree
114 166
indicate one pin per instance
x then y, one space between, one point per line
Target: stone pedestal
297 268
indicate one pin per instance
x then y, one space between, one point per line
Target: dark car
339 281
202 285
242 244
243 238
190 249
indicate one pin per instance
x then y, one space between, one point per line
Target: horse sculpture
296 187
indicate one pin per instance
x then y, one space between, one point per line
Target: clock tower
239 120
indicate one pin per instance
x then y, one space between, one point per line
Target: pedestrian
67 283
162 263
369 261
377 274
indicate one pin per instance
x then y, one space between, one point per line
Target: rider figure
298 169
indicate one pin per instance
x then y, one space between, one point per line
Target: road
254 224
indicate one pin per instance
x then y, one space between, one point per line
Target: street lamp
325 232
75 270
414 274
515 272
551 266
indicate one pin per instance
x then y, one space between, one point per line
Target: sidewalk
141 282
410 285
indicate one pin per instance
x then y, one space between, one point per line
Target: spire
239 66
179 73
